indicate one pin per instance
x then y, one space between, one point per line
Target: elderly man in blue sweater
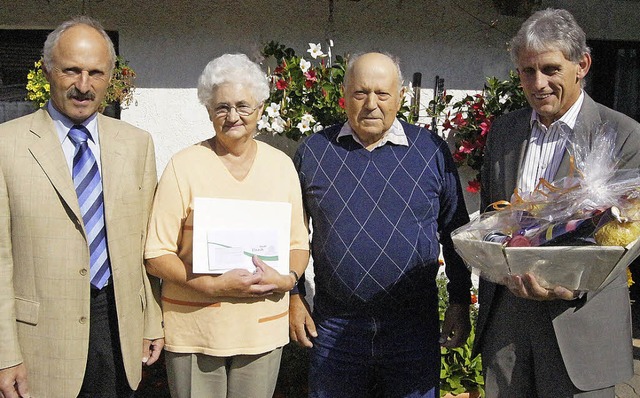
382 196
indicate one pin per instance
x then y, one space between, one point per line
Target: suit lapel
47 151
521 131
112 160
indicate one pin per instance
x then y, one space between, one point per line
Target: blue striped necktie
86 179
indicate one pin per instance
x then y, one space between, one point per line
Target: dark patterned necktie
86 179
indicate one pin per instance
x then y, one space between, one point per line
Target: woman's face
234 112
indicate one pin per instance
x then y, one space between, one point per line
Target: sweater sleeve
453 214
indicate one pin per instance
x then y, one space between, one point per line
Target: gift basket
578 232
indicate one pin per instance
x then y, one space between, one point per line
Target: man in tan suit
66 330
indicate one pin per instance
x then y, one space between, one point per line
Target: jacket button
83 271
83 320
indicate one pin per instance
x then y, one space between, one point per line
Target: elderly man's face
80 73
551 82
372 96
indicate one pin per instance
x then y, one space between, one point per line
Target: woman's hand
242 283
283 283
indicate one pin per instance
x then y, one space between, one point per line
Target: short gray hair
354 58
54 37
551 29
232 68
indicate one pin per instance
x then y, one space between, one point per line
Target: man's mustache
74 93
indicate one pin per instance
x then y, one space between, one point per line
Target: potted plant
460 372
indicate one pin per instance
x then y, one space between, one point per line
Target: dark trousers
104 376
391 357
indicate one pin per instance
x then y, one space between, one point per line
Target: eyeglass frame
225 110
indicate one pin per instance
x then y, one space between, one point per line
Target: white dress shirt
546 147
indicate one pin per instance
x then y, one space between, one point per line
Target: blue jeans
389 356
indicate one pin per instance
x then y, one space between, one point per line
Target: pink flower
311 75
466 146
484 127
459 157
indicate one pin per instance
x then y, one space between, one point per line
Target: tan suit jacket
44 257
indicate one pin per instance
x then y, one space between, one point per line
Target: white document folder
227 233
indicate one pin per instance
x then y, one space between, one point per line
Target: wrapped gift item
578 232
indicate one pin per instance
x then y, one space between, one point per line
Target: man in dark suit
78 315
537 342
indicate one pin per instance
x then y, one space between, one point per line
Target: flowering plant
460 371
120 88
469 119
306 94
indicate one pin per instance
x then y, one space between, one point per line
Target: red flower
458 120
477 105
479 115
466 146
278 70
473 186
341 102
447 125
459 157
282 84
474 299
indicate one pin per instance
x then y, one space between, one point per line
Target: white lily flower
308 118
273 110
315 50
278 125
304 65
263 123
303 126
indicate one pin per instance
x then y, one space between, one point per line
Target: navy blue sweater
376 220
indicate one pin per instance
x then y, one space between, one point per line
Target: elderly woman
224 333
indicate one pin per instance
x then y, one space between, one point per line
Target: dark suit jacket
44 256
594 333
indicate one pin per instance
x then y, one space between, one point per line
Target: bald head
373 96
373 57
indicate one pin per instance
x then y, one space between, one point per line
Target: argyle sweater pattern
377 217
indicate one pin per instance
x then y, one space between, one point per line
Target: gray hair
551 29
354 58
54 37
232 68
